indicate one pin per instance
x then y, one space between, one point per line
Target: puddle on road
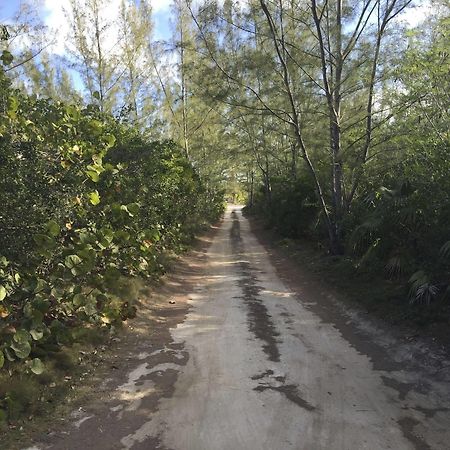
407 425
259 320
269 380
290 391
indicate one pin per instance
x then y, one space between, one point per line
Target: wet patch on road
290 391
429 413
270 373
407 425
268 380
259 320
402 388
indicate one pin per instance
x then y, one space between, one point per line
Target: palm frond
445 250
408 215
395 266
422 290
426 293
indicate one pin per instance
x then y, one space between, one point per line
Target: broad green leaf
9 355
153 235
21 349
94 197
53 228
2 359
37 367
125 208
106 234
3 292
77 289
42 305
109 139
94 176
98 162
73 112
86 237
13 106
21 336
37 334
72 261
97 166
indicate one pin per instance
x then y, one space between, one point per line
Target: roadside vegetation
392 226
329 118
88 204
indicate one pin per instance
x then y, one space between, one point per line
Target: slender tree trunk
133 93
252 176
268 188
183 87
335 137
293 160
101 89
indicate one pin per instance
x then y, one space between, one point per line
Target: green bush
292 207
87 202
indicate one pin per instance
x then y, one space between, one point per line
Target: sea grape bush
86 202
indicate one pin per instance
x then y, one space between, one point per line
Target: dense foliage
87 202
396 224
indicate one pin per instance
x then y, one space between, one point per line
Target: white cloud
58 23
56 19
417 13
161 5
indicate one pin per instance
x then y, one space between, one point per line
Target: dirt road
258 362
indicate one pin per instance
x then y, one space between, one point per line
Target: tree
137 84
93 52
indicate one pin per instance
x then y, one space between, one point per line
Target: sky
52 13
53 16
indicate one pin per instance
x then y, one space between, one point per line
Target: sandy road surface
255 365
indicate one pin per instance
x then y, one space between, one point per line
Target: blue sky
7 9
161 14
52 14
